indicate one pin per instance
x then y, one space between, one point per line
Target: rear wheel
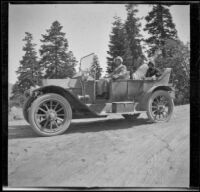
50 115
160 106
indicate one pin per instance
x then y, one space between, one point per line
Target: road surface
109 152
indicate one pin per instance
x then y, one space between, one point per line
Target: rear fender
145 96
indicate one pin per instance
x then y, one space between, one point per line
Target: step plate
123 107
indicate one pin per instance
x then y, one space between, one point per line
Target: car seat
164 78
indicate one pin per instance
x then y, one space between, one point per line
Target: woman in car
120 72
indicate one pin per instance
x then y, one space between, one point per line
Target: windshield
86 62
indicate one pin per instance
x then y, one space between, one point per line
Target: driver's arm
110 75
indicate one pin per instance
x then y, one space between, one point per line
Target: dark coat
151 72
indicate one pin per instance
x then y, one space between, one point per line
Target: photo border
194 89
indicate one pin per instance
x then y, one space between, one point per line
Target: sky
87 27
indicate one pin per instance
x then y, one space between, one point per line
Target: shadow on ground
25 131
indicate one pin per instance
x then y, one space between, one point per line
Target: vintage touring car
50 108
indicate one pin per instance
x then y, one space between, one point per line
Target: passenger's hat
118 58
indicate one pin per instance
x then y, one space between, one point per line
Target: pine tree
133 38
160 28
57 62
116 44
95 70
177 57
29 71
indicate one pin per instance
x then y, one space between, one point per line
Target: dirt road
109 152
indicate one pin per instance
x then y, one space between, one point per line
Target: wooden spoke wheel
160 106
50 115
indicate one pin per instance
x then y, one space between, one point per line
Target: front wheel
50 115
160 106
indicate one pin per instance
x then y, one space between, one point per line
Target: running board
125 107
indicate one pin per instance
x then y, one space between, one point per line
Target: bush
17 101
15 113
181 99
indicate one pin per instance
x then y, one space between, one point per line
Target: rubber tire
26 105
43 98
150 100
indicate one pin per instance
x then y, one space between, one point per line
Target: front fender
145 95
80 110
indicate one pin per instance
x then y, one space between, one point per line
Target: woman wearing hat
120 72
